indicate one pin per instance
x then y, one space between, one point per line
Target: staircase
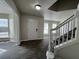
66 34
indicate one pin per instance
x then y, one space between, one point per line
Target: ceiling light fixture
38 7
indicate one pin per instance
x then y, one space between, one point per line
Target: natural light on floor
2 51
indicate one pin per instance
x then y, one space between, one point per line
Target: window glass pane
54 26
3 28
45 28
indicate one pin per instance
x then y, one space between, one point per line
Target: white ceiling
27 7
4 7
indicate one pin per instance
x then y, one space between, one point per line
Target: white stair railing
65 32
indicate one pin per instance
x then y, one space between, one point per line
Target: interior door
33 29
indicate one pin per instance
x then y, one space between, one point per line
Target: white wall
70 52
29 24
14 28
64 15
14 17
11 26
58 16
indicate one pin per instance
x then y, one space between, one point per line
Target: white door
32 29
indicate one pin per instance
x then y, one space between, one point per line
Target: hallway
27 50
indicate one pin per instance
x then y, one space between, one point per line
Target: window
4 28
54 26
45 28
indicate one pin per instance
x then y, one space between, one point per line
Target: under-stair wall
69 52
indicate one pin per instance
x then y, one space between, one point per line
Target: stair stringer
69 50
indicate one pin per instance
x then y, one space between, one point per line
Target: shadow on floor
36 49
